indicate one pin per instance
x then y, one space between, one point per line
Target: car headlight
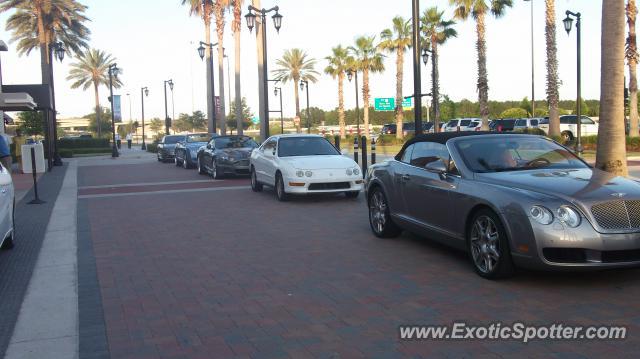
349 171
300 173
541 214
308 173
569 216
356 171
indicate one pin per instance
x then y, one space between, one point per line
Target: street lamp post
113 72
436 105
59 50
417 86
143 92
228 77
304 86
201 53
278 92
167 120
277 22
568 22
130 115
350 75
533 84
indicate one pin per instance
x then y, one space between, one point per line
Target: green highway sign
384 103
407 103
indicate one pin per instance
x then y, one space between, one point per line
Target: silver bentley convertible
509 200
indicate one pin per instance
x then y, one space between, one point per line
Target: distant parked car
225 155
407 128
7 209
166 147
526 123
303 164
186 151
503 125
569 128
474 126
458 124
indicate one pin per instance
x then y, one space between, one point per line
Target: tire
215 174
185 161
159 159
488 246
200 168
352 194
281 194
176 162
255 185
10 242
567 136
380 216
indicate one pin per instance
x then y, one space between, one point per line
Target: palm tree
437 31
478 10
236 26
92 68
631 54
204 9
338 65
397 39
295 65
218 10
611 152
368 59
39 23
553 96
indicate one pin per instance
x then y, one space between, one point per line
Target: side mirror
273 153
436 167
208 146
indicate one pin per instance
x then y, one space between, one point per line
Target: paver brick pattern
237 274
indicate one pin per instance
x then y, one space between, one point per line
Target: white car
7 207
303 164
459 124
526 123
568 127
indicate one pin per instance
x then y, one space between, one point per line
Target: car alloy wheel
379 216
214 170
489 247
185 161
176 162
280 192
255 185
10 241
200 169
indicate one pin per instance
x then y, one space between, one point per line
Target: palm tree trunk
632 59
399 98
611 152
343 133
296 81
483 82
210 107
553 97
365 98
219 15
435 90
236 35
97 98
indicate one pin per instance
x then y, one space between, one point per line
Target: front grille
617 214
329 186
581 255
243 163
565 255
630 255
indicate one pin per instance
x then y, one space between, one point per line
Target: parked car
502 125
186 151
526 123
474 126
407 128
458 124
303 164
569 126
225 155
7 209
509 200
166 147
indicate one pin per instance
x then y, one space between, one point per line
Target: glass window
522 123
534 122
235 142
427 152
305 146
587 121
198 137
452 123
270 145
465 122
172 139
406 156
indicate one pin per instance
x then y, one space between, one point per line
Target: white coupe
7 207
302 164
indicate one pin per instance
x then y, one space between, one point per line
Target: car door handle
406 177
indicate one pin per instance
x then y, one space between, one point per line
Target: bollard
336 141
355 149
364 155
37 199
373 151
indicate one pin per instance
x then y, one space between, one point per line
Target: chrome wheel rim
279 187
214 170
199 166
378 212
485 244
184 163
253 179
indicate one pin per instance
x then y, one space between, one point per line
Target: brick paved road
224 272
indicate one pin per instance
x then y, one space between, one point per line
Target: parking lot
189 267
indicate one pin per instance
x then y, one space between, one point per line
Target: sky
156 40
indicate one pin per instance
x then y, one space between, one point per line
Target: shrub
531 131
89 151
391 140
152 147
65 153
83 143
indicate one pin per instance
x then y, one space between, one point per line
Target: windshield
500 154
198 137
235 142
172 139
452 123
305 146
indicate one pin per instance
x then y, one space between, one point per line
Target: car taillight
499 128
478 128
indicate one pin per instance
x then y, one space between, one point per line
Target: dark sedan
508 200
226 155
186 151
166 147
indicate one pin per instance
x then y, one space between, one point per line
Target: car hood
241 153
584 185
320 162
